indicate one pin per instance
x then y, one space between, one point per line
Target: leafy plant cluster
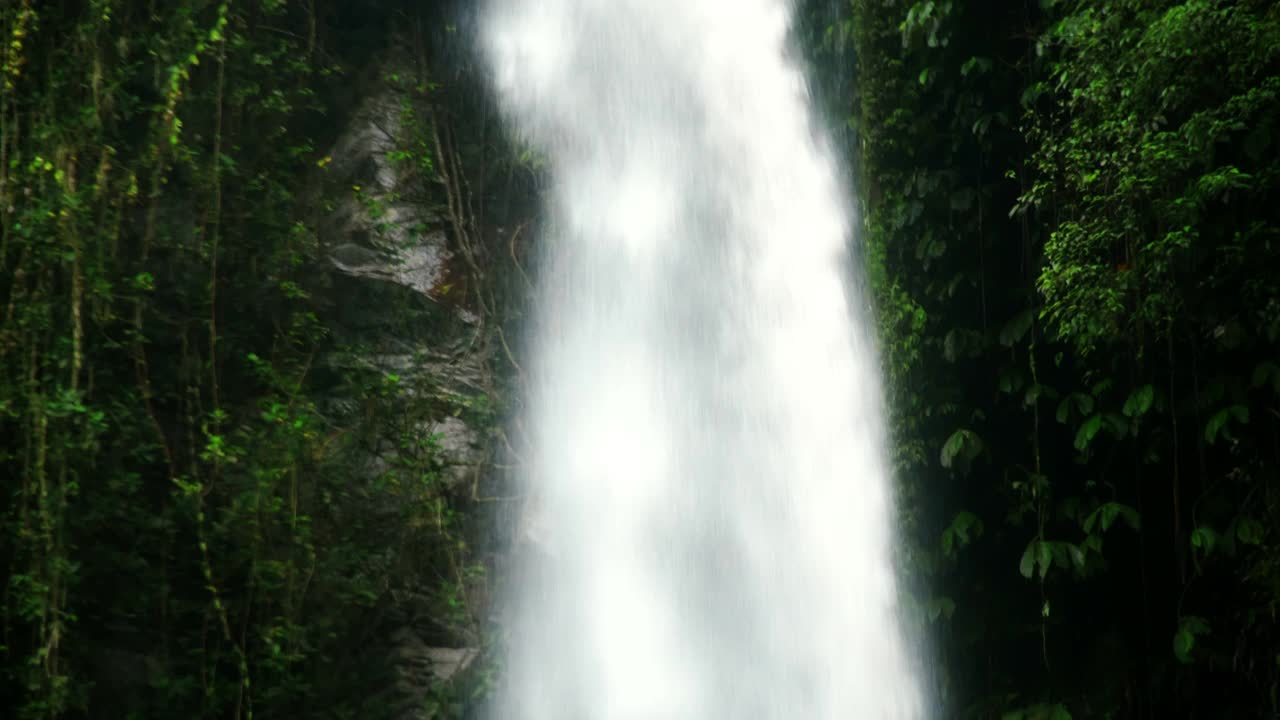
189 525
1071 230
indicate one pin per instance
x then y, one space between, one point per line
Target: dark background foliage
1071 233
189 526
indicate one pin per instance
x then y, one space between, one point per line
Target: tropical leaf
1204 538
1139 401
1016 328
1105 515
963 446
1027 566
1219 424
1249 531
1087 432
941 607
958 533
1184 640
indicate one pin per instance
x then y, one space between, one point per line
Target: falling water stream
707 487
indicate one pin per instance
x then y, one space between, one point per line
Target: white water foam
705 404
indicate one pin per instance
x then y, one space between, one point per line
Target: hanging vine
177 481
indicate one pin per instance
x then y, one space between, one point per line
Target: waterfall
714 513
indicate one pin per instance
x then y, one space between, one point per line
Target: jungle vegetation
189 526
1071 216
1070 224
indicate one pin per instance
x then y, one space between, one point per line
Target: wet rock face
417 660
380 227
394 275
418 267
394 288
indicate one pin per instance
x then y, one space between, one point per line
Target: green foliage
1189 628
189 524
1144 95
961 449
961 532
1070 228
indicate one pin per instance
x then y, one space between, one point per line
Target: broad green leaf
979 64
959 531
1249 531
1031 94
1204 538
1267 372
1044 557
1215 424
941 606
1077 555
1064 410
949 350
963 445
1119 426
1184 640
1109 512
1092 520
1139 401
1083 403
952 447
1032 395
1064 554
1028 564
1219 424
1130 515
1011 380
1016 328
1087 431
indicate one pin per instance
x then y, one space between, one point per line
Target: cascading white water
713 507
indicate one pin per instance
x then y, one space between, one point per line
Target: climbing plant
1069 220
189 526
